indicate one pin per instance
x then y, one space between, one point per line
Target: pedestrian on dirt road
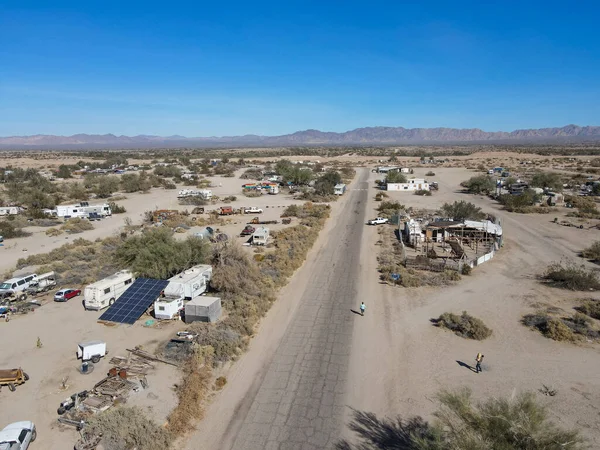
362 308
478 360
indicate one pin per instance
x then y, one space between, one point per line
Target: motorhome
190 283
339 189
105 292
83 209
274 189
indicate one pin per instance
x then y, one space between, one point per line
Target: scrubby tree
462 211
547 180
518 202
480 184
106 186
63 171
326 182
395 176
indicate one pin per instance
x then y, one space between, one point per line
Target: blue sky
228 68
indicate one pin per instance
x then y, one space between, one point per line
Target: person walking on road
362 308
478 360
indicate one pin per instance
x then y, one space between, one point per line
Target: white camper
82 209
166 307
92 350
190 283
105 292
273 189
206 194
10 210
261 236
339 189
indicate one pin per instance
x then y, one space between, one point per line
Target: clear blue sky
208 68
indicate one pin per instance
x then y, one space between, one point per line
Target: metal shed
203 309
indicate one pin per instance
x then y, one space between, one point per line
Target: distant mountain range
359 136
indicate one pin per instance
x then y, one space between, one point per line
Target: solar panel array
134 301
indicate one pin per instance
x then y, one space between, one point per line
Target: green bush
9 230
480 184
462 211
395 177
389 208
423 192
592 252
464 325
77 225
116 208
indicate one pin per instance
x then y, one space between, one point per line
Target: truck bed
10 374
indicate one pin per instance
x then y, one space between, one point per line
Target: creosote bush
517 422
125 428
464 325
568 275
423 192
592 252
77 225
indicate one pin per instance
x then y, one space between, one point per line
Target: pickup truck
17 436
378 221
253 210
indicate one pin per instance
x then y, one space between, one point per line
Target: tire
79 293
96 359
33 435
111 302
61 410
25 376
11 387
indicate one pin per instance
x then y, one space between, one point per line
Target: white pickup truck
253 210
17 436
378 221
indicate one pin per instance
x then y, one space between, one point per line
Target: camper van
190 283
105 292
339 189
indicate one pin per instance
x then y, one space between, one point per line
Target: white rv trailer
10 210
105 292
339 189
190 283
260 236
166 307
82 209
206 194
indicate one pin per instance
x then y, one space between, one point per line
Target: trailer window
161 308
74 210
107 291
128 281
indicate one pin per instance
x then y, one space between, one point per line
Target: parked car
378 221
247 231
253 210
66 294
17 436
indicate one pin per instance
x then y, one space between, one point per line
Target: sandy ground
399 361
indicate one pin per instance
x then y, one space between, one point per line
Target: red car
66 294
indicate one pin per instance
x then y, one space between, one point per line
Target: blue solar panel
131 305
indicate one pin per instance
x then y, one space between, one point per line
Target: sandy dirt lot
399 361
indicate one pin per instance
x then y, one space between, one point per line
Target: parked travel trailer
105 292
260 236
91 351
10 210
167 307
206 194
274 189
339 189
190 283
83 209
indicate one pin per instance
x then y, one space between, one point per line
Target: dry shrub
191 394
77 225
464 325
592 252
125 428
568 275
226 343
590 308
53 232
252 193
220 382
9 229
558 331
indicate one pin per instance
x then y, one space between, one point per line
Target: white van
105 292
17 284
